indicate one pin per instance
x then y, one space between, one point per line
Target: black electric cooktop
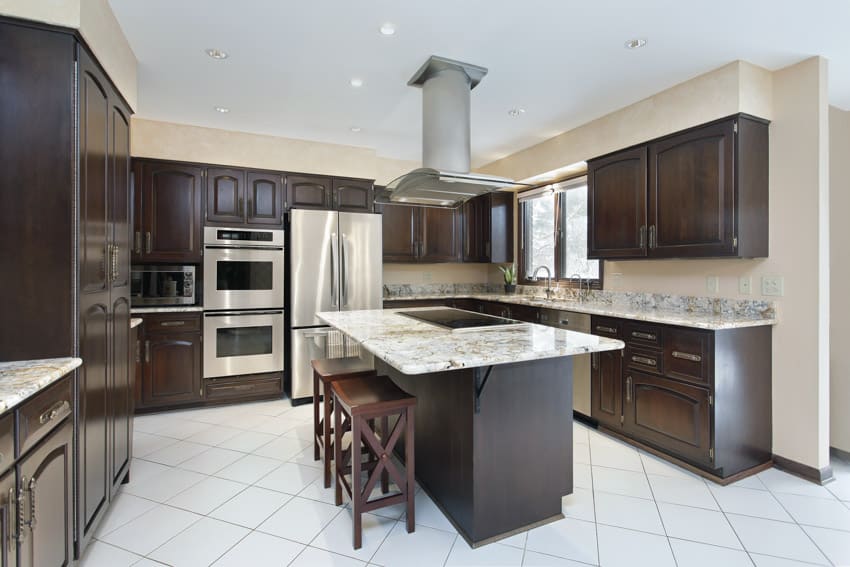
458 319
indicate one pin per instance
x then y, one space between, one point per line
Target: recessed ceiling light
388 29
222 109
217 54
355 128
636 43
514 112
355 82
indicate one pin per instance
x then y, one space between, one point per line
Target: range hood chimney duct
444 179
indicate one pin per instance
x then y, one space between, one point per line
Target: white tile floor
237 486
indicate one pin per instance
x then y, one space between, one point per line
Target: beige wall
436 273
794 99
839 197
97 24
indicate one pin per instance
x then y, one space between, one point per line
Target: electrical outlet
745 285
427 277
773 285
712 284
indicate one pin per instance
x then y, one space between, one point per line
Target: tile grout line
731 525
593 496
658 510
802 529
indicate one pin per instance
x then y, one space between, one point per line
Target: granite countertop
683 318
21 379
415 347
135 322
169 309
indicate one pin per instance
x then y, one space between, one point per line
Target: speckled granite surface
173 309
687 311
135 322
415 347
23 378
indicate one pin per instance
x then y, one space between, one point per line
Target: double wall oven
243 301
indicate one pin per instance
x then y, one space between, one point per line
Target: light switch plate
773 285
712 284
745 285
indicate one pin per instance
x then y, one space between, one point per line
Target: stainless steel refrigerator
335 263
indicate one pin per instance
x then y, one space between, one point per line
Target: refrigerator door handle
344 270
334 280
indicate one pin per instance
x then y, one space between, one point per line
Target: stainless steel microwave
162 285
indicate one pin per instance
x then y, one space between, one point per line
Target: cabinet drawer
647 360
607 327
39 416
7 441
643 334
248 387
687 355
172 322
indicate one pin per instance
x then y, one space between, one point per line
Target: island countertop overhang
414 347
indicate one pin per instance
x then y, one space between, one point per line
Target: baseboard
818 476
840 454
585 419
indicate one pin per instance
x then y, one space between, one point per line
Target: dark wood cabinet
8 519
353 195
167 212
171 368
225 196
308 192
439 233
265 192
702 192
488 228
700 396
400 233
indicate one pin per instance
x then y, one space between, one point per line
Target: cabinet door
47 499
265 199
439 235
308 192
475 221
119 195
616 205
400 233
500 246
172 369
171 213
606 387
353 195
672 416
121 394
692 193
225 196
497 309
8 519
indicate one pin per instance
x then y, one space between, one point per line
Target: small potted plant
510 277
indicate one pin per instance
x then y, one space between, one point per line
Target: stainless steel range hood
444 180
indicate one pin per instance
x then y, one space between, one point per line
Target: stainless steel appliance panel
314 344
243 342
243 278
314 264
361 261
580 322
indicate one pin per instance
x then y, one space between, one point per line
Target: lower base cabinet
606 387
170 360
8 519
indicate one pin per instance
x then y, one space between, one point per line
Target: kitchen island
493 416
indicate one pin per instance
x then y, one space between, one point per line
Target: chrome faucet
548 279
581 296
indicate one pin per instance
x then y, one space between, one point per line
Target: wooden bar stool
358 402
326 371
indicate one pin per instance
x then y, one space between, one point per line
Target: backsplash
638 300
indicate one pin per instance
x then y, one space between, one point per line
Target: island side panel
443 437
523 440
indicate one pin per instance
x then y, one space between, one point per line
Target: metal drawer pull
13 521
172 323
594 359
22 535
147 351
687 356
645 360
51 414
629 389
32 503
647 336
148 243
606 329
137 242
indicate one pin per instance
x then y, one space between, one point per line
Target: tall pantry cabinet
65 251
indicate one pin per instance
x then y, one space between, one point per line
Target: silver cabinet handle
606 329
645 360
172 323
629 389
643 236
22 535
52 413
137 242
594 360
646 336
32 504
147 351
14 515
687 356
653 237
148 243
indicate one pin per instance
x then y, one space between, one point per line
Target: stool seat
328 368
359 395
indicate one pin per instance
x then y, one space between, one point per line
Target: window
553 233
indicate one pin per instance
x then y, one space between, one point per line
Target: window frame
522 234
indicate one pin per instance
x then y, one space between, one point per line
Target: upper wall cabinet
353 195
167 212
702 192
420 234
341 194
236 197
488 228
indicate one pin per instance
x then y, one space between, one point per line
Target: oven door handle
242 313
240 247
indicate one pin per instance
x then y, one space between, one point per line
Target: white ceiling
291 61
